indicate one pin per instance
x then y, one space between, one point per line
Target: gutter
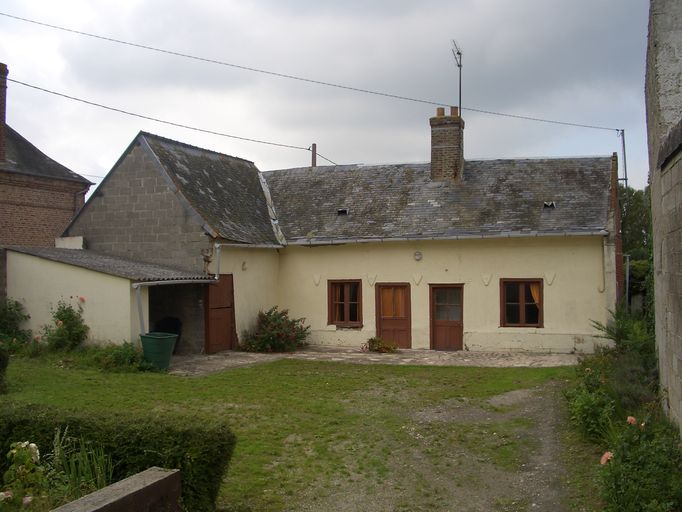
509 234
138 295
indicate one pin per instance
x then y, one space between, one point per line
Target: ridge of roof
189 146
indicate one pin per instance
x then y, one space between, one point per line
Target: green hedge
135 442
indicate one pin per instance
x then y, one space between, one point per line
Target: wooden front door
393 313
446 316
220 327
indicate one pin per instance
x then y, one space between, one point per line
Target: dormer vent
550 204
342 211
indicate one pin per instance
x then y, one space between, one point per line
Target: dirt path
502 454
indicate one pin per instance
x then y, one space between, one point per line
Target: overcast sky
579 61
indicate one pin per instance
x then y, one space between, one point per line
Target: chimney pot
454 111
440 111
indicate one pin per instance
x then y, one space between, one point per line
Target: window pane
353 313
441 295
512 312
532 314
338 292
339 313
353 292
454 295
441 313
455 313
511 292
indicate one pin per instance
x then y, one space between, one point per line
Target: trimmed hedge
135 442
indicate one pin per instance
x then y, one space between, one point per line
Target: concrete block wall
664 130
35 210
134 214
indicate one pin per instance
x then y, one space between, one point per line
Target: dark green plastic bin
158 348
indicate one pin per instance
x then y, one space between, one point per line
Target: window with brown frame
344 303
521 303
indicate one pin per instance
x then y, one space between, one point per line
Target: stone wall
135 214
35 210
664 111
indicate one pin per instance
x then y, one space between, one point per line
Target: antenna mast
457 54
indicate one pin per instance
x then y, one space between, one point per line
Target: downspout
138 294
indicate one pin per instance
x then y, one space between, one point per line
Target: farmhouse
455 254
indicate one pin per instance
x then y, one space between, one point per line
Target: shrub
118 358
69 330
4 362
590 411
645 471
276 332
134 442
12 316
377 344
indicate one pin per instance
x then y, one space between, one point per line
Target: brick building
664 127
38 196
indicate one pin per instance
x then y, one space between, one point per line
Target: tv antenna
457 54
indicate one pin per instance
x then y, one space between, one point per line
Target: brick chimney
447 145
3 109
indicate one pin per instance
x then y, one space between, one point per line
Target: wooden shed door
220 327
393 313
446 317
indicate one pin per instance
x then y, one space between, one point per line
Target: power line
171 123
300 79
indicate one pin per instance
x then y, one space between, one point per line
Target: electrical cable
301 79
171 123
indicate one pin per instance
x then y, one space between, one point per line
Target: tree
635 212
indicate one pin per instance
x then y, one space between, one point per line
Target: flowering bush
276 332
644 469
68 330
25 478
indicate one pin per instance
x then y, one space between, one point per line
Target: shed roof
24 158
224 190
496 198
112 265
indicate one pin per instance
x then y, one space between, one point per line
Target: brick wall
35 210
447 146
135 215
664 114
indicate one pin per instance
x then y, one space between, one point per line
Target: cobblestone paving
203 364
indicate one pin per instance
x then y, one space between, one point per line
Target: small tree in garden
69 330
276 332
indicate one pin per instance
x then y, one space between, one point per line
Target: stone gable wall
664 111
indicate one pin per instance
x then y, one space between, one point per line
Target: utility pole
457 54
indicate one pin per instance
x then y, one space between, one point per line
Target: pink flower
37 338
632 420
606 458
26 500
81 298
7 495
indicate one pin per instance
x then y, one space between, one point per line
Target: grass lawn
310 432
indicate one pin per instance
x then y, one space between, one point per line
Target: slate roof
496 198
24 158
121 267
224 190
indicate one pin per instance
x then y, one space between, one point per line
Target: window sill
347 327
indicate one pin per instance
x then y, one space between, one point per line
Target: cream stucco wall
255 274
109 309
577 287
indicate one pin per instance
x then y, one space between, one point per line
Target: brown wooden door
220 327
446 308
393 313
